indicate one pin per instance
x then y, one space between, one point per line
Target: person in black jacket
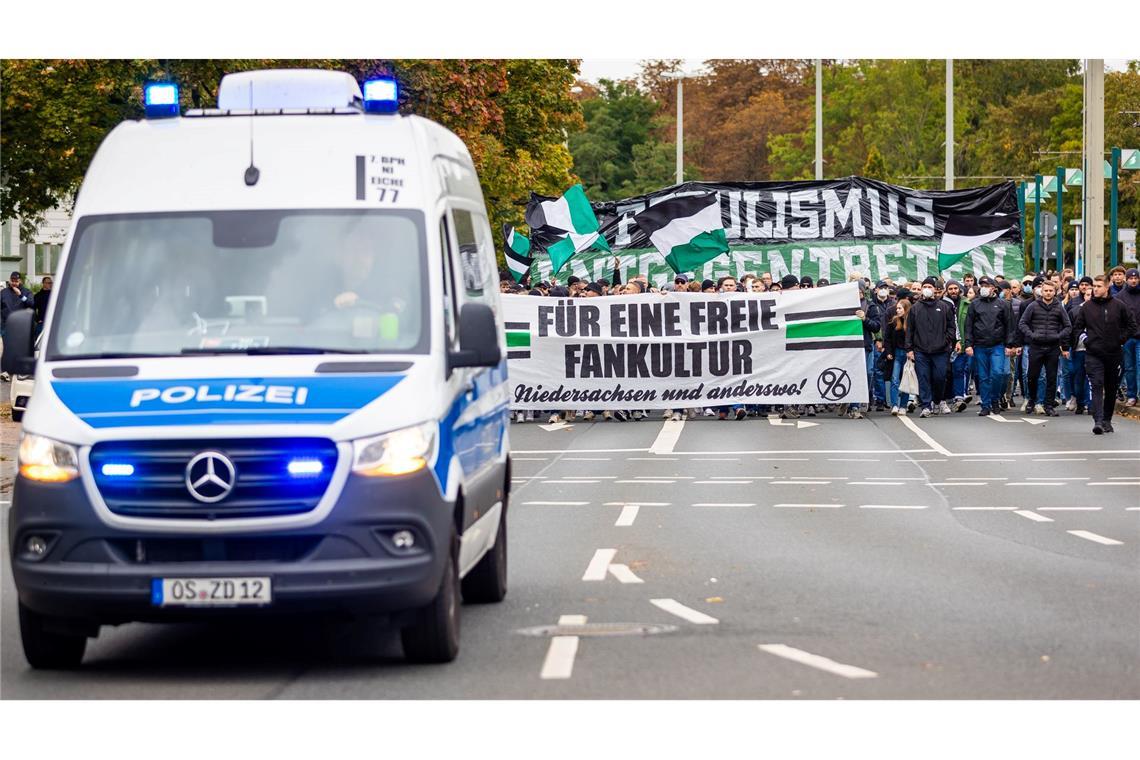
931 328
1105 325
989 339
42 298
1046 328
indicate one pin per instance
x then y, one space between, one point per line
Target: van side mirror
478 338
19 343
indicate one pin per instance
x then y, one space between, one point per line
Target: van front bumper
346 564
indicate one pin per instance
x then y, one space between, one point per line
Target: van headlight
397 453
47 461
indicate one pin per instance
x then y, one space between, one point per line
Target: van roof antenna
251 173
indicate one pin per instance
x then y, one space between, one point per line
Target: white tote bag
909 381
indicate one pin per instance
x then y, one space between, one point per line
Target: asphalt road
945 558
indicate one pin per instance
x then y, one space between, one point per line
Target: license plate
210 592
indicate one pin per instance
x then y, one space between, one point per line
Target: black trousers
1048 357
1104 376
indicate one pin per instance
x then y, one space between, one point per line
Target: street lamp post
818 119
680 129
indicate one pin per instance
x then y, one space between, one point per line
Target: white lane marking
852 460
721 483
652 459
736 477
624 574
556 503
595 451
647 480
627 516
875 483
1108 483
908 461
667 438
674 607
800 482
924 436
586 459
1121 477
892 506
1120 459
597 568
719 459
1061 460
808 506
1022 485
529 459
1132 509
983 509
977 478
988 454
723 504
1056 478
986 461
784 459
638 503
590 477
556 426
1094 537
1070 509
975 483
817 661
1033 515
568 482
559 662
869 478
675 477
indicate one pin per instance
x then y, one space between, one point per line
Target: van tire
47 649
487 581
17 415
434 636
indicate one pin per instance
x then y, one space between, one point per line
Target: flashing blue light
118 470
381 96
306 467
161 100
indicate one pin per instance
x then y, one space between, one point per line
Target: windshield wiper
271 350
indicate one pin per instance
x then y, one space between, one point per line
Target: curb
1131 412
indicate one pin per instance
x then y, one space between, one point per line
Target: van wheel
47 649
17 415
434 636
487 581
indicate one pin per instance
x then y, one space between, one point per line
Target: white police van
273 377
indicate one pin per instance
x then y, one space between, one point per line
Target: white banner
681 350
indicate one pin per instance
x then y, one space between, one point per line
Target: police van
273 377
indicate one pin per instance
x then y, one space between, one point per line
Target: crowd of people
1054 340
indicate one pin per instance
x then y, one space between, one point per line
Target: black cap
707 284
559 292
823 282
1004 285
681 278
595 288
572 279
1086 280
902 293
535 292
1074 285
1038 280
881 284
806 280
15 274
789 281
1133 272
985 281
930 281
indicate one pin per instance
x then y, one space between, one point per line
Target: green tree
874 167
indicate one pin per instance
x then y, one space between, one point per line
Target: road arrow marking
1032 422
559 663
673 607
816 661
624 574
774 419
998 418
800 424
556 426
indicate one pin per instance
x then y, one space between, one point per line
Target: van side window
449 305
469 232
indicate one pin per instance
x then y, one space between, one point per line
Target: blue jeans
1078 378
896 397
931 370
960 372
991 364
878 383
1132 366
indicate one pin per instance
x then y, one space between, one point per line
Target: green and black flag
688 231
517 252
963 233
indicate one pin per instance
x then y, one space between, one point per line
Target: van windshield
245 282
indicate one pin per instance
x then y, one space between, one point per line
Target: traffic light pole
1060 227
1037 222
1112 224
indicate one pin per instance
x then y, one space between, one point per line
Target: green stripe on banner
518 339
831 328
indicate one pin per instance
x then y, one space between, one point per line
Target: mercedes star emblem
210 476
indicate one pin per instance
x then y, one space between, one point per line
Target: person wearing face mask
894 346
931 329
989 332
960 363
1078 387
884 303
1129 297
1105 324
1046 328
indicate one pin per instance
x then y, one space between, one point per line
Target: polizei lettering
233 393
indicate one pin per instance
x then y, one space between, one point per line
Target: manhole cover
598 629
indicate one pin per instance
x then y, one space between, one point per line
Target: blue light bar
306 467
381 96
118 470
161 100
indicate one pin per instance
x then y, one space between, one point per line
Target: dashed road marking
910 424
1119 477
627 516
529 459
1120 459
586 459
749 477
556 503
1024 485
875 483
1109 483
975 483
653 459
559 662
983 509
718 459
675 477
724 504
1061 460
1056 478
590 477
1033 516
624 574
674 607
667 438
892 506
638 503
852 460
817 661
985 461
721 483
808 506
800 482
977 478
783 459
1069 509
870 478
659 481
1094 537
569 482
596 571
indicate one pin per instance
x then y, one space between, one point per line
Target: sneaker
554 418
925 412
520 416
1098 428
1003 404
810 411
1107 427
984 412
676 417
1024 405
789 413
911 406
588 416
638 414
960 405
1051 412
5 377
621 415
722 415
895 410
856 414
1071 404
1039 409
970 397
667 414
571 416
902 411
607 415
1130 402
943 408
741 414
710 413
1079 410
